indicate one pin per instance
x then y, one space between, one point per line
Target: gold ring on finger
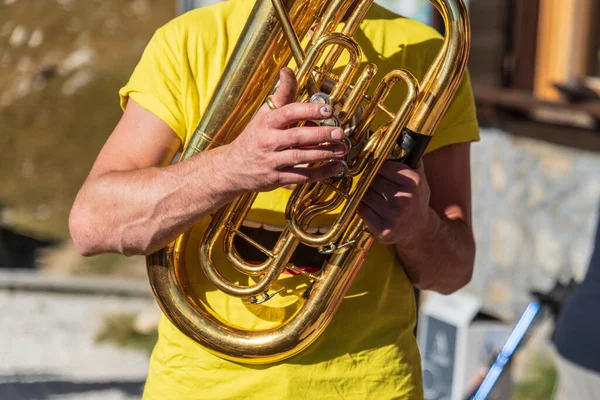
270 103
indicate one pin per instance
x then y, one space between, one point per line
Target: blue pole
508 350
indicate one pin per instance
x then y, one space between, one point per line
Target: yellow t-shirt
368 350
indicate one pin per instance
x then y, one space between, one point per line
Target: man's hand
264 156
396 206
426 216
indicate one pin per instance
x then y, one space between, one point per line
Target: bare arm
134 202
131 201
443 260
426 214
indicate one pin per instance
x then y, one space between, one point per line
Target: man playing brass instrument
135 202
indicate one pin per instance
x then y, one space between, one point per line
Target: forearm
442 258
139 211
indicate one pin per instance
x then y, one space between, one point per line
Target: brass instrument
271 37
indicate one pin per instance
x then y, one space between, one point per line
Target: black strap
413 145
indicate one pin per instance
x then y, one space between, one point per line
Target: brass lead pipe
241 91
445 74
292 38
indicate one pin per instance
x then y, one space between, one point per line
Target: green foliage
542 383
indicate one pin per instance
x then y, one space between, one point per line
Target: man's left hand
396 206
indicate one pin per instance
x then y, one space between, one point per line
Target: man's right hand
266 153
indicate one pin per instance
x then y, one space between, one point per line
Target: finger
291 175
387 190
296 112
304 136
420 165
286 92
399 173
371 218
380 203
293 157
340 148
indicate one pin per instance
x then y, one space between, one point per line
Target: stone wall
535 212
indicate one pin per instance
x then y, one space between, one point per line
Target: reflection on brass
265 46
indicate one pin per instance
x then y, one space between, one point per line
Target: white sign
455 344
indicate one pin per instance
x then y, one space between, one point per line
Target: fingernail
339 150
337 134
338 168
325 111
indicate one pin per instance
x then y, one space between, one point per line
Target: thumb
286 92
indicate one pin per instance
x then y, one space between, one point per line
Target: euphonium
271 37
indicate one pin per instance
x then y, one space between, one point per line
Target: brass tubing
383 149
332 16
238 262
360 163
316 50
243 205
276 267
290 34
375 102
368 116
350 27
445 74
335 188
357 93
241 91
311 212
273 267
271 345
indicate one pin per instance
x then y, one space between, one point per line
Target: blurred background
77 328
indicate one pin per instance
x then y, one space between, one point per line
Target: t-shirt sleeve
459 123
156 82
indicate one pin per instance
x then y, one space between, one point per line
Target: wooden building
537 58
